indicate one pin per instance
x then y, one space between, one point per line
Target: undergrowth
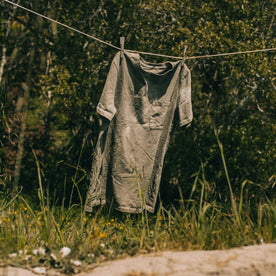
106 234
38 237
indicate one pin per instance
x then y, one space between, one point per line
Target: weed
39 237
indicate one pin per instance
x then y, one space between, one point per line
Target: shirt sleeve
106 106
185 101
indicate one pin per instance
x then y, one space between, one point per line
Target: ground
251 260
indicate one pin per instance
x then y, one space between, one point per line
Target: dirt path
251 260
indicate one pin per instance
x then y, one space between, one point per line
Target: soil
251 260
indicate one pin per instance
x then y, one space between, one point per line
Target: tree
232 95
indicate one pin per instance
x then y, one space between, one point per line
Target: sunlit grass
35 237
68 239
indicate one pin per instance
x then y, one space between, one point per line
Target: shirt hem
134 210
89 207
185 122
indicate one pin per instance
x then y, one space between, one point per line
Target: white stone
75 262
39 270
64 251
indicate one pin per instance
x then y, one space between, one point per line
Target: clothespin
185 54
122 43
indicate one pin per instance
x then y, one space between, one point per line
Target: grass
107 234
35 238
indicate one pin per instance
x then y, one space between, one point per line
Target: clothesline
133 51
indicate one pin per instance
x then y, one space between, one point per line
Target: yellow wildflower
102 235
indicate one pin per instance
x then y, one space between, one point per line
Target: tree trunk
20 150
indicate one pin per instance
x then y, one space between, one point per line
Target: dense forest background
52 78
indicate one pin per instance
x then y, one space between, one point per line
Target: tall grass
108 234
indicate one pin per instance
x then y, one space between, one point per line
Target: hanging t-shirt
139 104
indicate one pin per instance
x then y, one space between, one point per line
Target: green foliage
234 95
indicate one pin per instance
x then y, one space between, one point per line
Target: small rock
91 255
39 270
22 252
64 251
75 262
53 256
39 251
12 255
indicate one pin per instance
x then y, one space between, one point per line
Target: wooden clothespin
122 43
185 54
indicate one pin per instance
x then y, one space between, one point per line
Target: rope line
205 56
64 25
133 51
234 53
